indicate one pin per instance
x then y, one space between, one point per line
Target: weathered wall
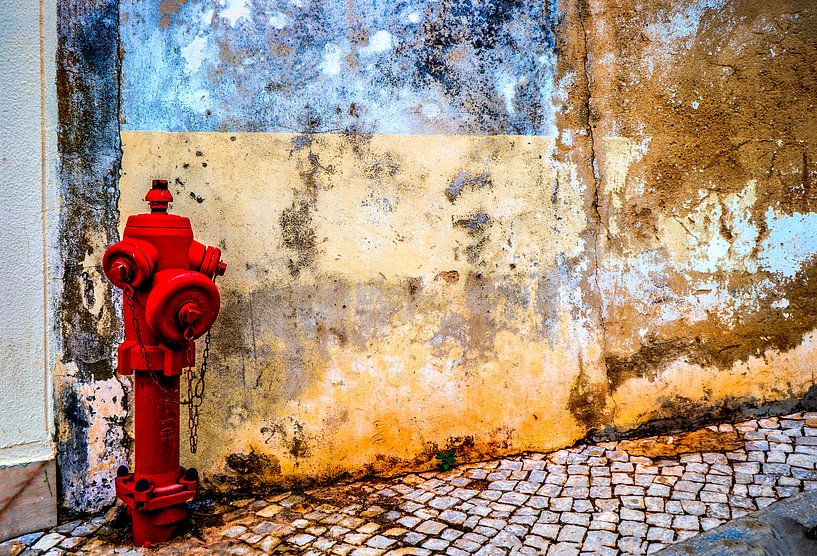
92 405
484 226
708 201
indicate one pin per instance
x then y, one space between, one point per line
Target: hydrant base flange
156 513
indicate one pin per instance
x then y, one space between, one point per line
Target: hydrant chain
195 395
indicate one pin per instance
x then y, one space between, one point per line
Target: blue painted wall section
424 66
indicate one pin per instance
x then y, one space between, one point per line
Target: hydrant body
170 300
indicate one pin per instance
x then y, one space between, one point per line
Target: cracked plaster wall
478 226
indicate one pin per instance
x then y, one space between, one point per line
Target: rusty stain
448 276
704 440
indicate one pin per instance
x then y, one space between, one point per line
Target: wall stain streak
90 153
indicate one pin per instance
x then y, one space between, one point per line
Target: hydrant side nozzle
206 259
129 263
122 270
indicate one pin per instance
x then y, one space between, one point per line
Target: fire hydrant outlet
129 263
177 293
189 313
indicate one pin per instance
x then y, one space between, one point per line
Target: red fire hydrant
170 300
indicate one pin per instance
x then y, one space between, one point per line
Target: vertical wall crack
587 106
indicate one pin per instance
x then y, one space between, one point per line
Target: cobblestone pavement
627 497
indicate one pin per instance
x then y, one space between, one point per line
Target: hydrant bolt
122 270
189 313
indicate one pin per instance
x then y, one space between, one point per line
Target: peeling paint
373 55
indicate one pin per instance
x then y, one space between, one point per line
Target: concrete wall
27 164
28 493
475 226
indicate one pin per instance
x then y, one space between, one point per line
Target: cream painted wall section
387 296
27 155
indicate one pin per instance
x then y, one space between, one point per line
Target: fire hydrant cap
159 197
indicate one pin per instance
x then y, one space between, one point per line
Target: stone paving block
572 533
302 539
654 503
688 486
710 496
234 531
337 531
759 457
693 507
607 504
598 525
622 479
632 528
631 545
628 490
574 518
600 492
430 527
672 470
660 534
577 481
597 539
514 498
526 487
351 538
658 490
598 495
549 490
659 519
47 542
631 514
414 537
708 523
741 502
635 502
687 522
368 528
599 471
452 516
